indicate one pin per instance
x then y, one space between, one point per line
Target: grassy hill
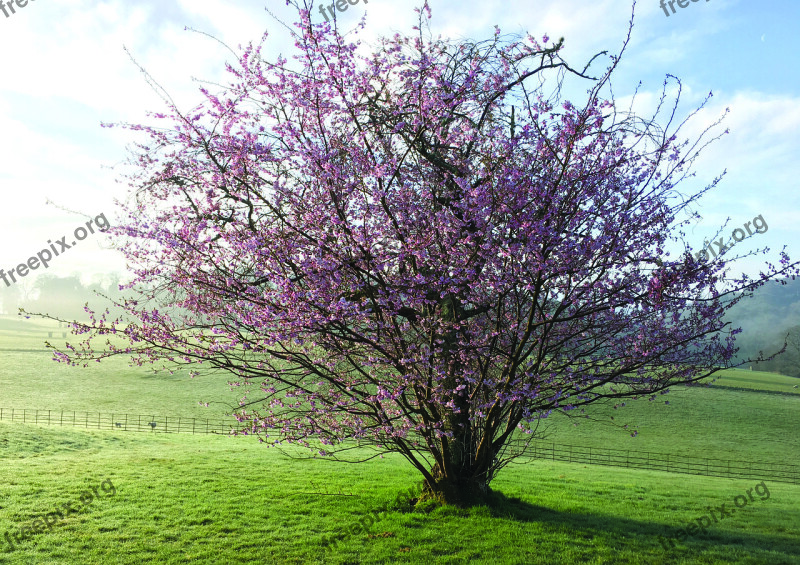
214 499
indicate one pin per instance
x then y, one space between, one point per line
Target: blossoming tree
421 250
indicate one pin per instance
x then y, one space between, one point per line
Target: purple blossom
411 250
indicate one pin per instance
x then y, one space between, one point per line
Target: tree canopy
421 249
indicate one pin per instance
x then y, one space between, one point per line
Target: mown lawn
758 380
211 499
214 499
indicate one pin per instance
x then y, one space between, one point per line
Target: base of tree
463 495
496 502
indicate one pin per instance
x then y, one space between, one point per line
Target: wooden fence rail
536 449
671 463
116 421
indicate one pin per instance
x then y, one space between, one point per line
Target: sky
67 67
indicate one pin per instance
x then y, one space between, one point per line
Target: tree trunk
460 490
462 477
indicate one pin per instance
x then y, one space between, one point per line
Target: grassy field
29 378
213 499
758 380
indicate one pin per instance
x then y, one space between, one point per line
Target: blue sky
64 70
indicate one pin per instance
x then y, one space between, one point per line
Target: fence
780 472
122 422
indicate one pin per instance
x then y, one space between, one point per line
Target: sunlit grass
211 499
215 499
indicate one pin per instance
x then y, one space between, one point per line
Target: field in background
29 378
208 499
758 380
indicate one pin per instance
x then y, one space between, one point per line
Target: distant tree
10 299
789 362
107 285
65 296
419 250
793 338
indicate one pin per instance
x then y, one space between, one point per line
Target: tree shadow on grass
633 533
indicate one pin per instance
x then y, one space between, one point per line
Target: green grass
697 422
193 499
29 378
758 380
212 499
